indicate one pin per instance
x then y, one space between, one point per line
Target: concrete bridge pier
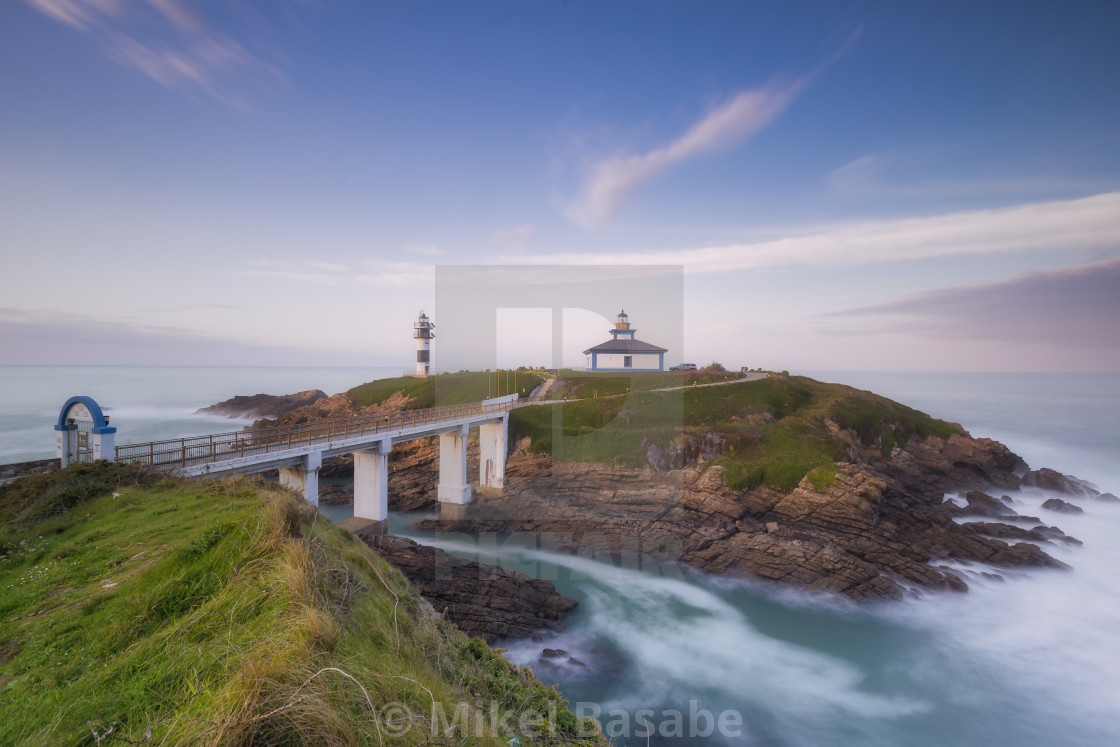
453 487
371 481
492 439
304 476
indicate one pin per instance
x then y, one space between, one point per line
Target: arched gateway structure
83 433
298 451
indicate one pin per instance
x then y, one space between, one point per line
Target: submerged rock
982 504
1057 534
1007 531
336 495
1049 479
1057 504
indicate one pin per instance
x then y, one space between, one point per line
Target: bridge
297 451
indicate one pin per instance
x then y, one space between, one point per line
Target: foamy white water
1031 660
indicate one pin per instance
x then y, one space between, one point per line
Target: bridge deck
237 447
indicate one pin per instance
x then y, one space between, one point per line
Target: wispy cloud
612 180
166 41
57 337
194 307
1089 223
378 273
1071 307
906 173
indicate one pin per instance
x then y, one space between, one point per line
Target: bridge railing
217 447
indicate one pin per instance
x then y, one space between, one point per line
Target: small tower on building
624 352
622 327
424 335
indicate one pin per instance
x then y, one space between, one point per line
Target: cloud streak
377 273
1073 307
190 55
1088 223
49 337
613 180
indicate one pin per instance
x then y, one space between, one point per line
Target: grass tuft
223 612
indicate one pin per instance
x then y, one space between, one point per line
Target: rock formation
882 529
482 600
264 405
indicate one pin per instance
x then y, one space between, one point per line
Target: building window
627 361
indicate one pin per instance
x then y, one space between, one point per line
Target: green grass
223 612
446 389
582 384
774 430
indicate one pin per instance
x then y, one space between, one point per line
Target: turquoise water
1033 660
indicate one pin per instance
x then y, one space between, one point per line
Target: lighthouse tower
622 329
424 335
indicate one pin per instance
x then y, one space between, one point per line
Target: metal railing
220 447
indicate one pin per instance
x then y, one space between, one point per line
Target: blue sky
863 185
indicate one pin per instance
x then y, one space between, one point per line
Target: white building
625 353
424 335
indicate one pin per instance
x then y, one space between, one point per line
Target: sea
665 656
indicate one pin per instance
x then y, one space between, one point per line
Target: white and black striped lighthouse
424 335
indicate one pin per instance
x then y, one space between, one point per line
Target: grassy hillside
139 609
580 384
774 430
446 389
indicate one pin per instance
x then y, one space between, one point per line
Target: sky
846 186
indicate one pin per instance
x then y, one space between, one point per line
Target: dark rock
1049 479
19 469
482 600
1056 534
954 582
1107 497
1006 499
553 653
1057 504
336 495
576 662
878 531
263 405
1007 531
982 504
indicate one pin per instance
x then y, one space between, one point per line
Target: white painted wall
453 486
641 362
371 482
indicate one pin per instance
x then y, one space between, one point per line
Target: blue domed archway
83 433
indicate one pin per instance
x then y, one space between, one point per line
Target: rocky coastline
487 601
263 405
880 529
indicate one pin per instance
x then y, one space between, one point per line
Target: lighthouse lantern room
424 335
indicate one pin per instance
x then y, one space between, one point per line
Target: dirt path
546 387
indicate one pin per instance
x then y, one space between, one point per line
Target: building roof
625 346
